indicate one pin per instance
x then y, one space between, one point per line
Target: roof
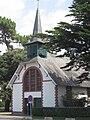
37 27
36 30
37 23
36 40
60 76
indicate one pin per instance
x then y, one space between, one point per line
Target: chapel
43 77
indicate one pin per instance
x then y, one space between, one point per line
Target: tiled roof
60 75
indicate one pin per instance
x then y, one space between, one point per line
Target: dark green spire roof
37 24
37 27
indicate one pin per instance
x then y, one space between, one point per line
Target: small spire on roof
37 24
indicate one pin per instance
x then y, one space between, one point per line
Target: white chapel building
42 77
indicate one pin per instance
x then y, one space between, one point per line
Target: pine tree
74 37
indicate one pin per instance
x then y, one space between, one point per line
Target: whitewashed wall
48 94
34 94
61 92
48 89
20 76
17 97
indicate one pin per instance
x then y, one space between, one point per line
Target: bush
1 104
73 102
62 112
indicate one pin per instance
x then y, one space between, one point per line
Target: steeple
37 24
35 47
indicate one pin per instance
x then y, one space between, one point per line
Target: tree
5 95
9 61
8 33
74 37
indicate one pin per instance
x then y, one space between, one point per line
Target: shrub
73 102
1 104
62 112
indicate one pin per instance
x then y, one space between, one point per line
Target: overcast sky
23 12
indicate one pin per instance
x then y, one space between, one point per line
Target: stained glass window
32 80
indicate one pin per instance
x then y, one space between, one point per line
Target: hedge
1 104
62 112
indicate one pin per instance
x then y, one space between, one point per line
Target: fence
62 112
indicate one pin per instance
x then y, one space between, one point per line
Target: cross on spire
37 3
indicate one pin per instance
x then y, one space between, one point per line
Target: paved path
10 117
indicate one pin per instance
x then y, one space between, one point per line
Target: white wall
17 97
20 77
48 94
34 94
61 92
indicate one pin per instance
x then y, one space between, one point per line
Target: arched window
32 80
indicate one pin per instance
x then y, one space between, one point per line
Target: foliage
8 33
74 37
5 96
73 102
68 112
4 92
9 61
21 39
1 104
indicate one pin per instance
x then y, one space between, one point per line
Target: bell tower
35 47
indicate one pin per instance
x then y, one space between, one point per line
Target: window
37 102
32 80
88 92
69 92
38 81
26 82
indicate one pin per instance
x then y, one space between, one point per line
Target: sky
23 12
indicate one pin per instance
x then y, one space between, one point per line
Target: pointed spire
37 24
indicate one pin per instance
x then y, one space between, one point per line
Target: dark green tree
8 33
5 95
9 61
74 37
